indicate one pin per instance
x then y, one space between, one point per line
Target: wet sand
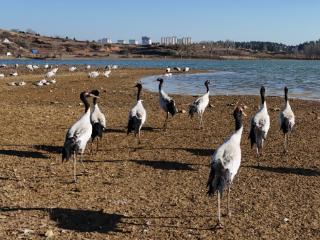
155 190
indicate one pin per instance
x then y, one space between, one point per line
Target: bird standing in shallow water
137 115
287 119
98 121
78 135
199 105
166 103
225 163
260 125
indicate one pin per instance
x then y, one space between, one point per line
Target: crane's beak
92 95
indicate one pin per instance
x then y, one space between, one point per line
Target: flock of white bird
226 160
49 77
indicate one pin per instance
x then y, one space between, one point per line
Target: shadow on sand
289 170
49 148
23 154
165 165
78 220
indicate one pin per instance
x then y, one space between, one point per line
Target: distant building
168 40
105 41
184 41
174 40
133 42
146 40
121 41
6 41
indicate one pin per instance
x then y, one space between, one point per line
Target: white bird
177 69
107 73
72 69
52 81
88 67
225 163
93 74
3 65
21 83
50 74
114 67
260 125
98 120
78 135
186 69
46 66
55 70
35 67
166 103
287 119
199 105
1 75
167 75
137 115
14 74
168 70
40 83
30 67
16 65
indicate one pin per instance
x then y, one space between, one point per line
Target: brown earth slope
156 190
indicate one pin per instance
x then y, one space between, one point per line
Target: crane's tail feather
134 124
97 130
192 110
252 135
285 125
171 106
219 177
68 148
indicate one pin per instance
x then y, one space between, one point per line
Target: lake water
228 77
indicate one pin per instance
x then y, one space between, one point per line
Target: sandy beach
155 190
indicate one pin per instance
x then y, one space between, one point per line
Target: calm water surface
228 77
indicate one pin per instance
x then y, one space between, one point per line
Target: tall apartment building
146 40
174 40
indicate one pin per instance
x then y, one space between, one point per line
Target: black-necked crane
200 104
98 120
137 115
287 119
259 126
78 135
166 103
225 163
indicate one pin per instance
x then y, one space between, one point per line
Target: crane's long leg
201 122
81 160
228 203
74 167
98 139
257 151
219 225
139 141
165 122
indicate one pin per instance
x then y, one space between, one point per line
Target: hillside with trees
30 44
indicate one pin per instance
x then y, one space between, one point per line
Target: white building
133 42
168 40
146 40
184 41
105 41
121 42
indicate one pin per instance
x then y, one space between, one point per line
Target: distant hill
33 45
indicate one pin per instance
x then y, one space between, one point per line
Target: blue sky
285 21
